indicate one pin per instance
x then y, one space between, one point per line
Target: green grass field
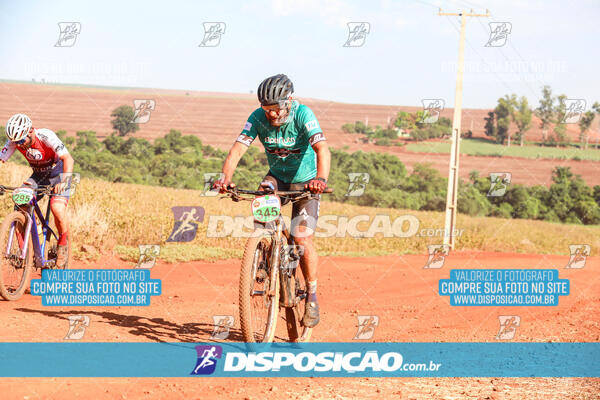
477 147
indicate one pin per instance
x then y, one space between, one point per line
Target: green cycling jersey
288 147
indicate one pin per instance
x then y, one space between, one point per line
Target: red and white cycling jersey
43 153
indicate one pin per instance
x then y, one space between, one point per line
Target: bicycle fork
275 259
26 235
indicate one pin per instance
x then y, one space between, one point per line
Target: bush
179 161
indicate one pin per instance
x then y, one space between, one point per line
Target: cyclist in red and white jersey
52 165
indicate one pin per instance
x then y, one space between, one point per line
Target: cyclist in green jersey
298 157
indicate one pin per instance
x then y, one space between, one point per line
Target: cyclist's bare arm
68 163
323 159
233 158
7 151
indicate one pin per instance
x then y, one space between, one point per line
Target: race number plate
266 208
22 196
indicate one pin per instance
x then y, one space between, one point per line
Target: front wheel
259 304
14 271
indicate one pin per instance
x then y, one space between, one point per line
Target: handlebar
293 195
46 190
275 192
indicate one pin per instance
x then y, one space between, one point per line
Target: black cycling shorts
47 178
305 212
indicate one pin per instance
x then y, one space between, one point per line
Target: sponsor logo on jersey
283 153
247 126
310 125
244 139
34 154
288 141
316 138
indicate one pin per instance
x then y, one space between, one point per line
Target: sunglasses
22 141
276 108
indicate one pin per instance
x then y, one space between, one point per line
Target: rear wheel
14 271
258 305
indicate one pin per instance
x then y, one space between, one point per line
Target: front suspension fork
27 236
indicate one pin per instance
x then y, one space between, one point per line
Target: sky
409 54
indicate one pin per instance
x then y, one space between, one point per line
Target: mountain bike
270 278
23 246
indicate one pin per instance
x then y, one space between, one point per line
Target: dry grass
119 217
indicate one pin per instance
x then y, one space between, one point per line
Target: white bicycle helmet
18 127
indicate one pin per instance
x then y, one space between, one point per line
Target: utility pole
452 195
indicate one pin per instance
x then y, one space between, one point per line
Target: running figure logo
499 32
223 323
70 180
357 33
499 183
77 326
209 179
291 255
508 326
207 359
366 327
148 255
574 110
437 255
212 34
579 253
357 183
68 34
186 223
143 108
432 108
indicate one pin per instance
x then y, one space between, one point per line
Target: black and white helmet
18 127
274 89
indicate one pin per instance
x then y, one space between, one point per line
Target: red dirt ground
217 118
395 288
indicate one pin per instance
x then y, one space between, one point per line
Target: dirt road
397 289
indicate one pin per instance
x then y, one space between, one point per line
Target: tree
560 127
503 116
348 128
87 141
584 125
123 122
596 108
545 111
404 121
522 118
490 124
